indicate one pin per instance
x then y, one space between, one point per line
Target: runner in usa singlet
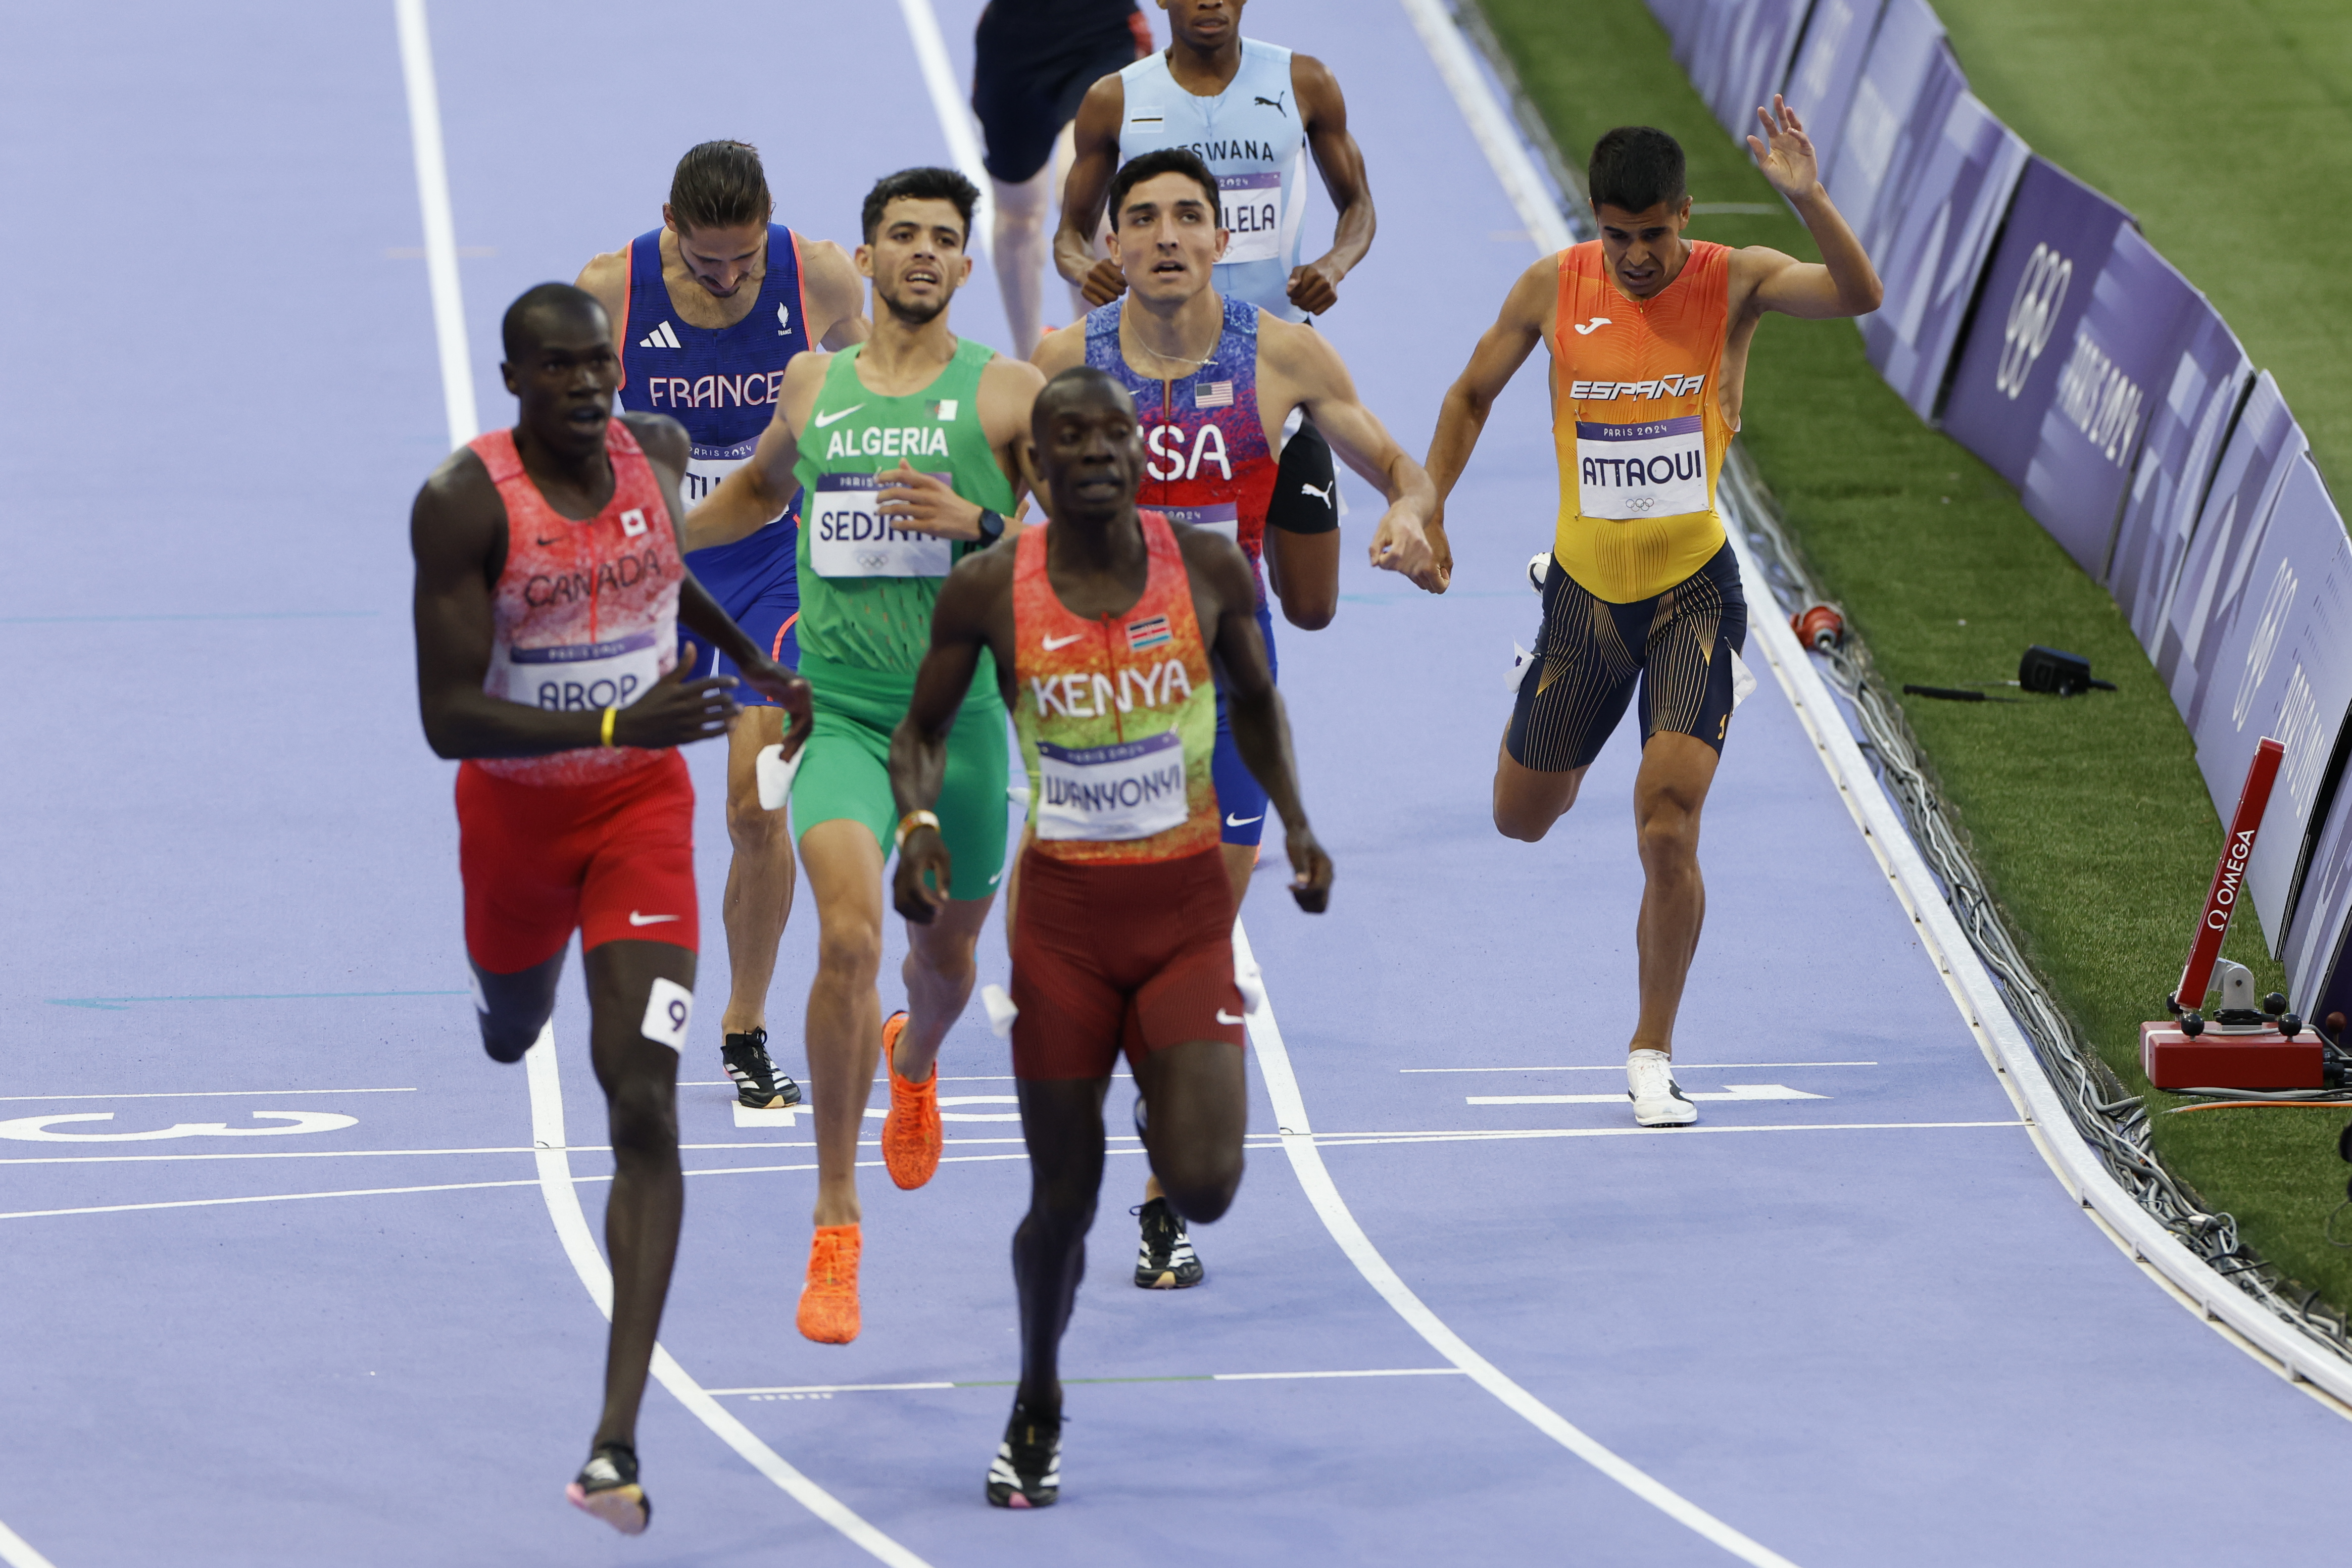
586 611
1116 716
1638 425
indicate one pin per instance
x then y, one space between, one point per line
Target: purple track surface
1856 1344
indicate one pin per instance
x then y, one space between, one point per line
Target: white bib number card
1658 468
583 676
1132 789
1252 216
850 537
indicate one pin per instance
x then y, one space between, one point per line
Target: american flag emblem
1214 395
1147 633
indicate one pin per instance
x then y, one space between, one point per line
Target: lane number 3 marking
36 1128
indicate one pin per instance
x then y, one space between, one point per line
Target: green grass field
2088 816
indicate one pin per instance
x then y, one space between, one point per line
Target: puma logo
1323 495
1275 103
1586 329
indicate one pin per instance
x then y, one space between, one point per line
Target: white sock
1633 1056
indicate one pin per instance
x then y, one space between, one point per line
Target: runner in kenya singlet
1637 424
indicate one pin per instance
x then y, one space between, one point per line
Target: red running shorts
1109 957
614 859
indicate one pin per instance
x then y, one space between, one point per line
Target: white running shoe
1658 1101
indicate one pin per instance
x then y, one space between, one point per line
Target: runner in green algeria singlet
867 594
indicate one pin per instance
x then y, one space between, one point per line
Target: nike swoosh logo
1226 1017
1583 328
1233 821
820 421
1053 643
638 920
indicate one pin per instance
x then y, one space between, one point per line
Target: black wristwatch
992 527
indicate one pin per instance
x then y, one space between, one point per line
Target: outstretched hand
917 896
1103 283
789 691
1403 543
1786 153
1310 881
675 712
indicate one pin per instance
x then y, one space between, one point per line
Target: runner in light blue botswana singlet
1253 140
722 384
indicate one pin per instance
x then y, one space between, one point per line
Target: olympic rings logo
871 560
2032 312
1641 503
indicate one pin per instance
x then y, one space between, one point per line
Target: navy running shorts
756 582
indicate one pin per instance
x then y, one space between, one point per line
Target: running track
1863 1328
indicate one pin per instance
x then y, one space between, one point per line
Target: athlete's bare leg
647 1197
1197 1112
1669 791
844 1014
1302 570
759 879
939 972
1021 241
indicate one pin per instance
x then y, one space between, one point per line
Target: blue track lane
1859 1339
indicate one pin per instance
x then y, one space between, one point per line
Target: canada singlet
1638 425
1117 715
585 612
1206 457
1251 137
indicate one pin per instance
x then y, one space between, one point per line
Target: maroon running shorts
613 858
1120 956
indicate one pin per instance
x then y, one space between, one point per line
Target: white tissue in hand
1743 679
776 776
1520 660
1001 1010
1252 981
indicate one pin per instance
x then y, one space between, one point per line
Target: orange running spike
828 1311
911 1133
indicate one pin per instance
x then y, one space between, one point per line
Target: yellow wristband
914 819
610 714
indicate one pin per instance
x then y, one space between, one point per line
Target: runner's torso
1637 423
1207 460
866 588
721 383
1251 137
1117 715
586 612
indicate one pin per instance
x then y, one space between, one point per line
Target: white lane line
1490 124
1749 1092
1685 1067
955 116
1503 1134
1306 1160
1180 1377
263 1198
440 228
208 1094
17 1552
555 1184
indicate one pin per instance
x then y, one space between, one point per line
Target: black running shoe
1028 1469
758 1084
607 1487
1165 1261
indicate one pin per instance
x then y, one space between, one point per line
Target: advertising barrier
2319 926
1761 44
2123 343
2254 465
1829 62
1960 188
2283 666
2037 287
2210 378
1885 122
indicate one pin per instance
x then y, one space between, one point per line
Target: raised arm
1323 110
836 295
1085 191
457 532
1843 283
756 494
1312 370
974 595
1261 727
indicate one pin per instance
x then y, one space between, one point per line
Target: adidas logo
661 337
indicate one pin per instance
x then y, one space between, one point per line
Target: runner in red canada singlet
549 585
1102 625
